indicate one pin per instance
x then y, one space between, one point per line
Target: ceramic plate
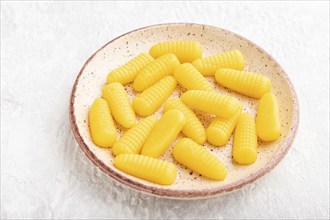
188 184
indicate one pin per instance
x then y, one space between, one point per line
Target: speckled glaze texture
188 184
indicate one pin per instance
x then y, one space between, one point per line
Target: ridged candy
155 71
197 158
163 133
189 77
147 168
268 121
152 98
247 83
221 105
186 51
102 128
127 72
245 140
119 104
233 59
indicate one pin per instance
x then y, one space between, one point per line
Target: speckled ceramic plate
188 184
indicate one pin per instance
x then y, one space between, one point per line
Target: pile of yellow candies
155 77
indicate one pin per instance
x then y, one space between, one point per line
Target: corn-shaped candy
233 59
193 129
163 133
189 77
211 102
131 142
127 72
119 104
103 130
152 98
197 158
268 118
147 168
247 83
245 140
220 129
186 51
154 71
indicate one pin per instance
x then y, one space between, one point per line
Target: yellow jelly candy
154 71
193 129
163 133
147 168
152 98
189 77
220 129
245 140
102 128
186 51
233 59
197 158
127 72
119 104
221 105
268 118
247 83
131 142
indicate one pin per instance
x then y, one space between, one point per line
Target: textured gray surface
44 174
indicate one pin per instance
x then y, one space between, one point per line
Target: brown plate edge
187 194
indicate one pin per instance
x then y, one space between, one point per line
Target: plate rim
187 194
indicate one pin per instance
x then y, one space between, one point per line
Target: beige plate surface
188 185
